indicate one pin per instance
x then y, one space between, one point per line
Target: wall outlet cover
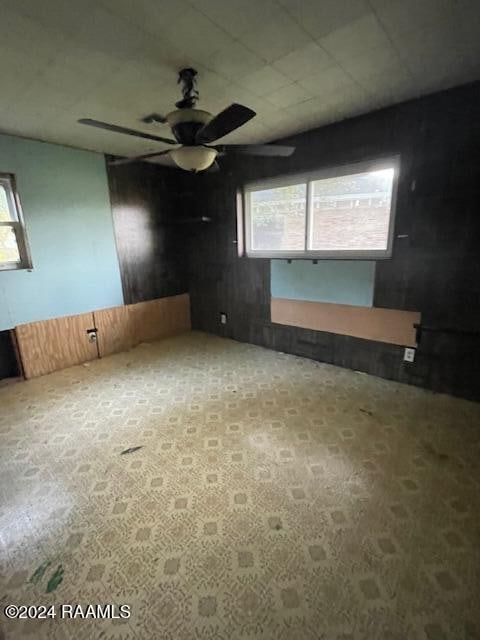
223 318
409 355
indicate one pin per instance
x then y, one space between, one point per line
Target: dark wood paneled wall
8 362
145 209
435 270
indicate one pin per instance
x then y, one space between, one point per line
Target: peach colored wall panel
371 323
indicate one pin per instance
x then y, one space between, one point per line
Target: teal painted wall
339 281
64 195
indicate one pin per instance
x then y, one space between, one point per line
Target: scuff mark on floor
55 579
40 571
130 450
443 457
369 413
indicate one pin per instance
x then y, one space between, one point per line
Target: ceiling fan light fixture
197 158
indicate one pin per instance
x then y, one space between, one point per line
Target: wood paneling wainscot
115 330
160 318
51 345
55 344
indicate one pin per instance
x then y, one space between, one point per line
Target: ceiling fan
194 130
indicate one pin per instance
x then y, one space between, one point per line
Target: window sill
320 255
14 266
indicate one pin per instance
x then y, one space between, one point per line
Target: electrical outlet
223 318
92 335
409 355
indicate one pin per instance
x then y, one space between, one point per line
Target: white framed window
14 252
341 212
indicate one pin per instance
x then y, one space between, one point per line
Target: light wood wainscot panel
115 330
55 344
160 318
371 323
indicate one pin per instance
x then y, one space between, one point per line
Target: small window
14 252
343 212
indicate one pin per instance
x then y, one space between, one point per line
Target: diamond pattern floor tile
272 497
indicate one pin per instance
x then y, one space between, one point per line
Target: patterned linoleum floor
273 497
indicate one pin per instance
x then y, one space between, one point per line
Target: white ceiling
298 63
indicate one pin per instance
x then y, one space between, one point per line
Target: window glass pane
4 208
8 245
278 218
351 212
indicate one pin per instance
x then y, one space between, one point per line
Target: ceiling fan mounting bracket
188 82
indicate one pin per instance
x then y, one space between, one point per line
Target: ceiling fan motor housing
186 122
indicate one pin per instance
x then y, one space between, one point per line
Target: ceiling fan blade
271 150
145 156
129 132
227 120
